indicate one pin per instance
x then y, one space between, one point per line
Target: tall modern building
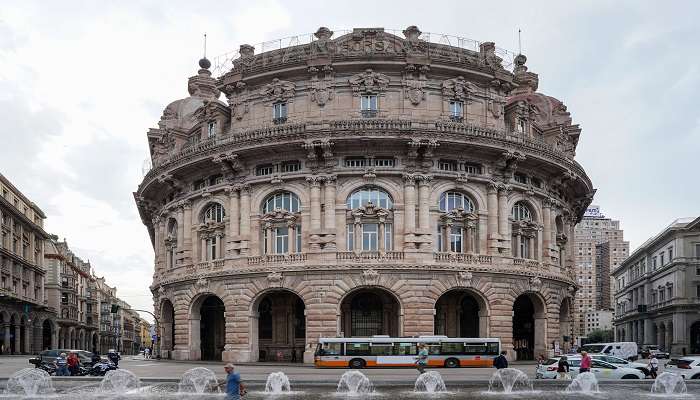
358 184
600 248
658 290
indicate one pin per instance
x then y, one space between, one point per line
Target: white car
688 367
619 362
601 369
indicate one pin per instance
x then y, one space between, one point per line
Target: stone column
315 211
203 251
245 219
358 236
546 230
157 242
492 218
409 221
380 237
18 332
234 212
187 232
329 212
424 203
469 237
269 245
291 229
532 248
503 214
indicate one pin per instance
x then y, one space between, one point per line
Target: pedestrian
500 361
422 359
114 357
294 355
73 364
147 353
234 387
653 366
95 357
61 364
541 359
563 368
585 362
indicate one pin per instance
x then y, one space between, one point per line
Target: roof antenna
205 45
520 43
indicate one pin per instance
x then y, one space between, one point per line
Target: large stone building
360 185
600 248
27 325
658 290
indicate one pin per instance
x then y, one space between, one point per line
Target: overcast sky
81 83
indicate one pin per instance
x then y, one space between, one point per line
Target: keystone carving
275 279
202 283
370 277
535 283
464 278
368 82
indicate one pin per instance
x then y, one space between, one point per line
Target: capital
330 180
409 178
314 181
424 179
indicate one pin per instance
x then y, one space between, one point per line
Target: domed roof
548 110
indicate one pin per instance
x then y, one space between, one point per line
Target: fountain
354 382
509 379
198 380
277 382
30 382
120 381
430 382
585 382
669 383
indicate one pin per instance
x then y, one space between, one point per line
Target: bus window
475 348
357 349
331 349
434 349
381 349
492 349
405 349
452 348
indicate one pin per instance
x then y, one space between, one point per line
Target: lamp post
155 348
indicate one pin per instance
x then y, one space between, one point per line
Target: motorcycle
100 368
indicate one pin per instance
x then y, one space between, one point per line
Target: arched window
214 213
455 200
457 227
378 197
521 212
369 226
281 221
282 200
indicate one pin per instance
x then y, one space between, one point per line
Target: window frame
280 112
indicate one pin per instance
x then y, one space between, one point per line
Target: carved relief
202 284
370 277
414 82
321 88
278 90
535 284
274 279
368 82
464 278
459 89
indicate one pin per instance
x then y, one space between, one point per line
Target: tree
601 336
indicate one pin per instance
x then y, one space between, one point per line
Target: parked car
626 350
49 356
601 369
619 362
688 367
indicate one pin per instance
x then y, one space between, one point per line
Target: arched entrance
695 338
661 336
4 346
565 325
529 326
461 313
211 328
13 335
368 312
167 329
281 327
46 334
94 342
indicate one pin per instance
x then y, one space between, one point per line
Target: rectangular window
474 169
405 349
521 125
448 348
384 162
369 103
653 262
661 295
456 239
291 166
355 162
456 110
447 165
525 248
388 237
279 112
369 237
520 178
351 237
211 129
670 254
661 259
211 249
281 240
357 349
697 291
266 169
697 250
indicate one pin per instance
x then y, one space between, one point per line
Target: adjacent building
362 184
657 300
27 322
600 247
600 320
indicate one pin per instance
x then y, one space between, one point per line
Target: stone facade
366 184
600 248
27 324
658 290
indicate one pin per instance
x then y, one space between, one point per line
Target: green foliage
601 336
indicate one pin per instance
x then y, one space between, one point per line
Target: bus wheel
451 363
357 363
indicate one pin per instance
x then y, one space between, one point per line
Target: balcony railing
462 258
277 258
369 255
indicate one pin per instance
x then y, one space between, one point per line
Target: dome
549 111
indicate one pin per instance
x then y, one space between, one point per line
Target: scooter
100 368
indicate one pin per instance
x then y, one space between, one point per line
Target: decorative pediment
370 277
321 85
280 215
368 82
525 228
458 89
209 228
460 215
278 90
369 210
170 241
464 278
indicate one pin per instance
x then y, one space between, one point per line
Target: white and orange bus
385 351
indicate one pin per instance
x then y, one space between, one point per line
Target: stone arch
535 210
48 330
566 323
370 310
205 202
207 327
259 196
529 325
661 336
277 325
476 195
694 337
461 312
94 342
347 187
167 327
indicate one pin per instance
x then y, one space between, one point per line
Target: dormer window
447 165
279 113
211 129
520 178
456 110
369 105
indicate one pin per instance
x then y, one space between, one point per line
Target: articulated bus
385 351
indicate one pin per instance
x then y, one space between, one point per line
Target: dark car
49 356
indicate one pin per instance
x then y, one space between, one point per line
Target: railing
462 258
277 258
369 255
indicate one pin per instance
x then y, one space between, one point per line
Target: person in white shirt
653 366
